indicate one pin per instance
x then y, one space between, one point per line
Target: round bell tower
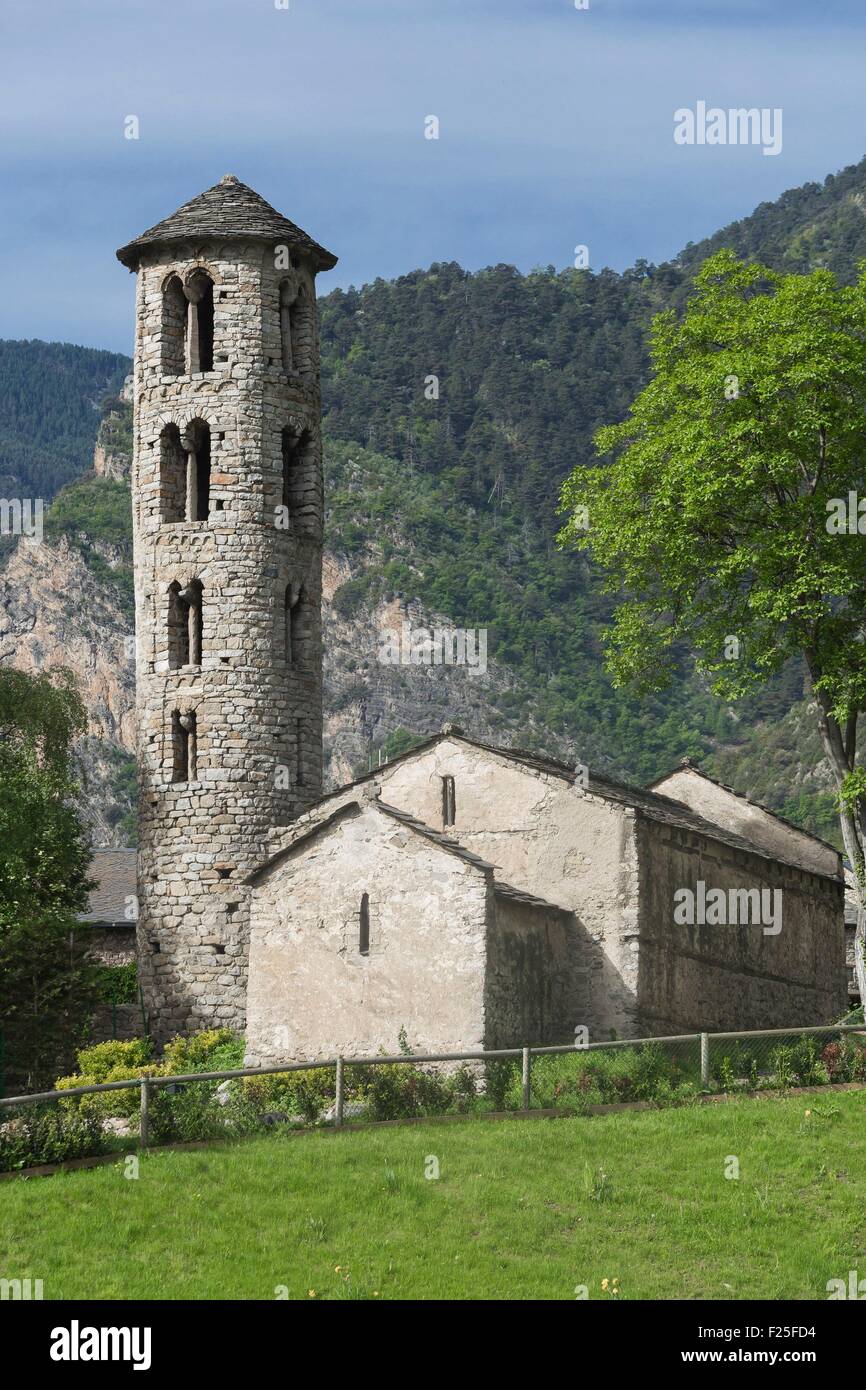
227 514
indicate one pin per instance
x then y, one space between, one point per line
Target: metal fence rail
148 1084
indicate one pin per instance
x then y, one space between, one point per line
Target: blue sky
556 128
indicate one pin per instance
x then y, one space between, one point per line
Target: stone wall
760 827
258 717
526 997
124 1023
110 945
312 994
729 977
551 839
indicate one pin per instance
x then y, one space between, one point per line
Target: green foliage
195 1052
97 1061
400 741
98 508
575 1081
38 1134
397 1090
215 1049
93 513
118 984
305 1093
49 394
712 518
48 985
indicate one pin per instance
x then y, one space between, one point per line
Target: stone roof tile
114 871
229 209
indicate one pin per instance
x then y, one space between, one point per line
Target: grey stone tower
227 515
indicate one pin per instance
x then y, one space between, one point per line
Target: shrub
39 1135
215 1049
397 1090
122 1104
305 1093
118 984
94 1063
196 1052
499 1080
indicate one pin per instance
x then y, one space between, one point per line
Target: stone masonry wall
258 718
723 807
526 992
723 978
547 837
312 994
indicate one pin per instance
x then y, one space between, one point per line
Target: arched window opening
198 471
183 740
184 625
300 324
286 300
294 636
300 777
178 630
449 801
300 627
364 925
173 343
199 333
172 475
301 492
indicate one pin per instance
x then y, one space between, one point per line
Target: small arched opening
199 291
174 316
198 463
172 475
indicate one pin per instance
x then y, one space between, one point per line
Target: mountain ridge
442 508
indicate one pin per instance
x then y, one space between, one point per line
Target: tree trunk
841 752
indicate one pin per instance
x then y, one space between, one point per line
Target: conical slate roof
229 209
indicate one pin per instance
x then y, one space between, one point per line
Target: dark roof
652 804
229 209
114 871
686 765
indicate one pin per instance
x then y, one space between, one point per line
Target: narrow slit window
364 925
449 801
299 752
286 326
293 628
183 737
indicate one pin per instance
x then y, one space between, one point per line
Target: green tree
717 518
48 986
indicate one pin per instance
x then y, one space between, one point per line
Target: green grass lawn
520 1210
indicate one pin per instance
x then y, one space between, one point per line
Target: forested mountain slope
455 404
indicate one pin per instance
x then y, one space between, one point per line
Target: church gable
362 929
726 808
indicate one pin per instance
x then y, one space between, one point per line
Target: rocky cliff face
62 604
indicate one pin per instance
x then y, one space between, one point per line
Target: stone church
471 895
